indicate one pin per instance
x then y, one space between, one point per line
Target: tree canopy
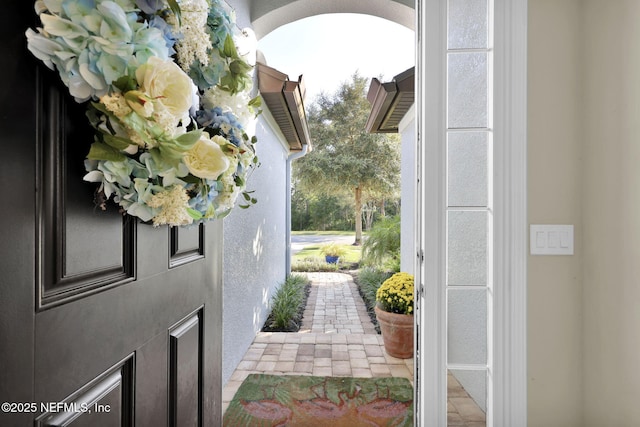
345 158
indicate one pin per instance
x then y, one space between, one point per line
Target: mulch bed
294 325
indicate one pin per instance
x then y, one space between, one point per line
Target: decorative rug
305 401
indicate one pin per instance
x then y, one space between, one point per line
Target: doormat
305 401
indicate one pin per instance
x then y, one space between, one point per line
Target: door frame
507 385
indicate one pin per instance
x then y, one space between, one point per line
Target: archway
267 16
507 393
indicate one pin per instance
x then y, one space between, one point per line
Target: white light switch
551 239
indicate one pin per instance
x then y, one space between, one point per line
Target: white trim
507 399
510 199
431 378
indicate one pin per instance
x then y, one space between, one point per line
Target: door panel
108 400
97 308
82 248
185 372
187 245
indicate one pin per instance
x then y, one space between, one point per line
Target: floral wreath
170 101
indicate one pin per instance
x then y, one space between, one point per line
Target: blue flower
170 38
150 7
221 123
203 203
94 42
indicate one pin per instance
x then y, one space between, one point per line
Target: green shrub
381 248
369 279
313 264
333 249
287 304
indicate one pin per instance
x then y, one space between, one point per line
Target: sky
328 49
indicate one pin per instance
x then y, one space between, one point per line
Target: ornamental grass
287 305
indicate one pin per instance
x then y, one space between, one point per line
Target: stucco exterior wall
243 14
254 250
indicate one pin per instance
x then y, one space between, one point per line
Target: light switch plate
547 239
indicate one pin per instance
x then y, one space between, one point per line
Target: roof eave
285 100
390 102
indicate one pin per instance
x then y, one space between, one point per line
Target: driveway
298 242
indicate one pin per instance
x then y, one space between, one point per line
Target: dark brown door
104 321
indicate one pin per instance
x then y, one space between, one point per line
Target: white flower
195 42
173 204
237 103
116 104
167 85
206 159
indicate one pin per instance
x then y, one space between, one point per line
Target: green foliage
313 264
333 249
320 212
346 160
287 303
312 258
369 280
382 246
238 78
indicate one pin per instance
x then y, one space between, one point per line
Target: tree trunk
382 211
369 212
358 209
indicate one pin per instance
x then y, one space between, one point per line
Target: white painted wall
254 250
555 150
584 152
611 212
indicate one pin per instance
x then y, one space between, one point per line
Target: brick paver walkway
336 339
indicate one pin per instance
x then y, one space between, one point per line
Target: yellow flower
396 294
206 159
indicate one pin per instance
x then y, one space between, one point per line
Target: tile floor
337 338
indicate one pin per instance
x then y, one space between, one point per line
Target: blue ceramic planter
331 259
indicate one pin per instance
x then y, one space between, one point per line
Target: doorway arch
508 347
267 16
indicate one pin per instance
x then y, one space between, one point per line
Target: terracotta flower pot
397 333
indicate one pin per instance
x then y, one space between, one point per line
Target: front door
104 321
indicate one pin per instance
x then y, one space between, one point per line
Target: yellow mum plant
395 295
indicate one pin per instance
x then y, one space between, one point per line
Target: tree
345 158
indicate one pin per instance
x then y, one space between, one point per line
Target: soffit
390 102
285 100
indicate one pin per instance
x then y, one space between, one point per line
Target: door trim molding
430 306
508 396
510 200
